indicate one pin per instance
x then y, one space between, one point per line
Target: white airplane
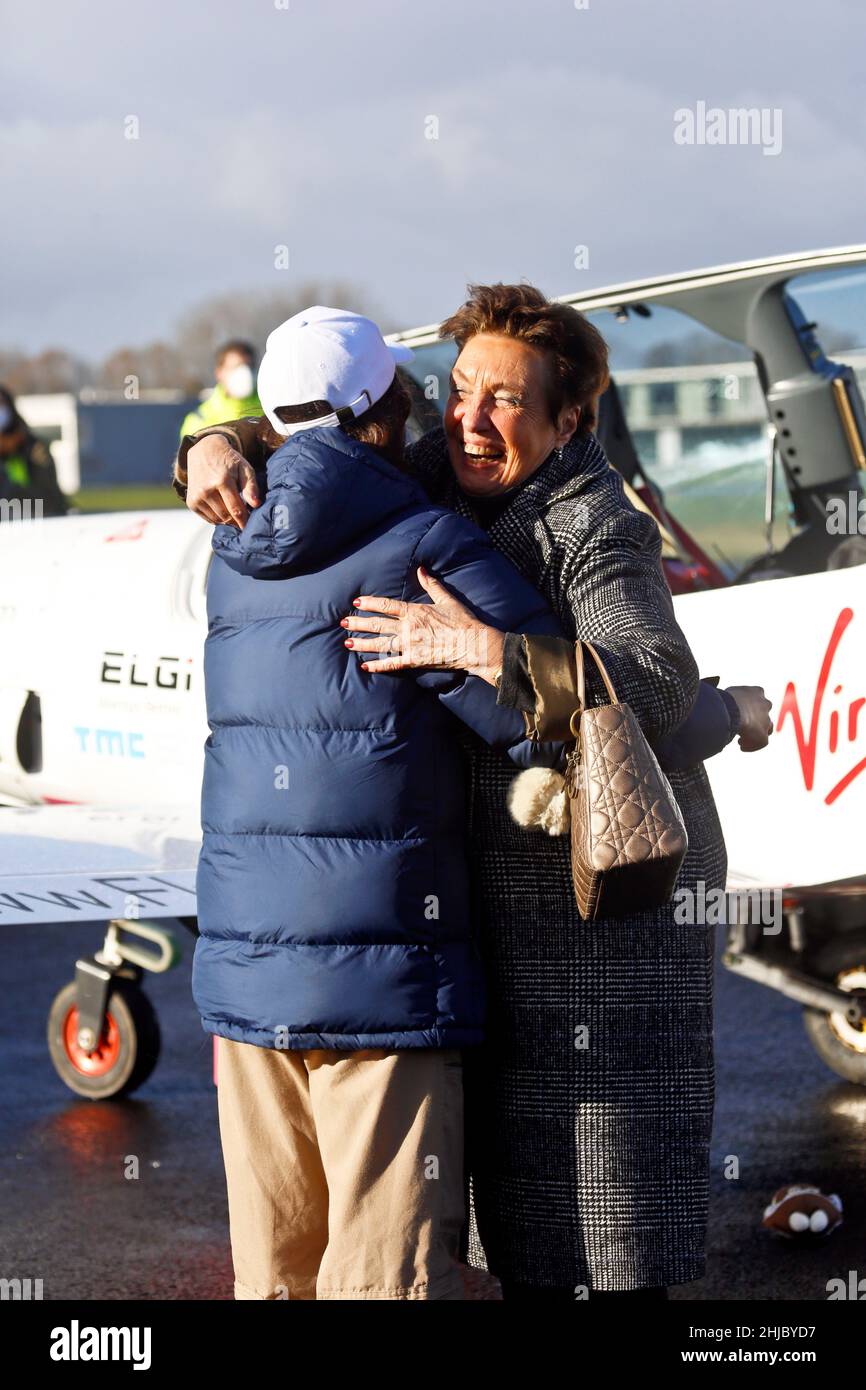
101 700
733 426
102 728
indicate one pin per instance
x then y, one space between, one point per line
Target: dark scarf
514 525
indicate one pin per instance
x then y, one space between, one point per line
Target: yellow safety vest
17 471
218 408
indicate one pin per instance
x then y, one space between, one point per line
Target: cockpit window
835 302
430 369
698 420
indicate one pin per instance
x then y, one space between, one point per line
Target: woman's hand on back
444 634
221 485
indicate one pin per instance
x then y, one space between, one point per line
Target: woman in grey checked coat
589 1109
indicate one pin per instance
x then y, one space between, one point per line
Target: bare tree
157 365
252 315
186 363
51 370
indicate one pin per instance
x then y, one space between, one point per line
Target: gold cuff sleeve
551 666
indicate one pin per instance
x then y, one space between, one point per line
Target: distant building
671 411
100 439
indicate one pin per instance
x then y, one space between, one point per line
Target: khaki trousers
344 1171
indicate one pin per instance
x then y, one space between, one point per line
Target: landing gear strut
103 1034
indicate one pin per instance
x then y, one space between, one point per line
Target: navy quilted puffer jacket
333 896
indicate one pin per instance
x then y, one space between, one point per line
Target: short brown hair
238 345
381 427
575 350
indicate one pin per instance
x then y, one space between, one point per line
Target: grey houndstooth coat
589 1109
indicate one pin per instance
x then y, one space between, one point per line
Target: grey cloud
261 127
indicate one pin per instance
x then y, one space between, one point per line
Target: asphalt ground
70 1217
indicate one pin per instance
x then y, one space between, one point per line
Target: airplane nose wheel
103 1034
840 1039
852 1034
125 1053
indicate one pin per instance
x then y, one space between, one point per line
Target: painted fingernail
356 603
364 666
344 622
348 642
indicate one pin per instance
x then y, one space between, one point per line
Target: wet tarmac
71 1217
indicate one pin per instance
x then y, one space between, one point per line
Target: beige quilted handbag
628 839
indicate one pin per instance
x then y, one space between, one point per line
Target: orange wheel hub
104 1055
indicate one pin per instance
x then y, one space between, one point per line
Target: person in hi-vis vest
234 396
27 471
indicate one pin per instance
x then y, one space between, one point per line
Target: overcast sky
305 126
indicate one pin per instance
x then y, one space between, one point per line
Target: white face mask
240 382
6 417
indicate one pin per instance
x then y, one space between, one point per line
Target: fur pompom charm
537 800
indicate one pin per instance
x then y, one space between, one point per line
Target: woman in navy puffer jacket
333 899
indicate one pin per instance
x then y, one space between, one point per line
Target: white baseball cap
328 355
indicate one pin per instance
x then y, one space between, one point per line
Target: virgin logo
134 532
808 744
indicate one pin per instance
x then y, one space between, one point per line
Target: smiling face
497 420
